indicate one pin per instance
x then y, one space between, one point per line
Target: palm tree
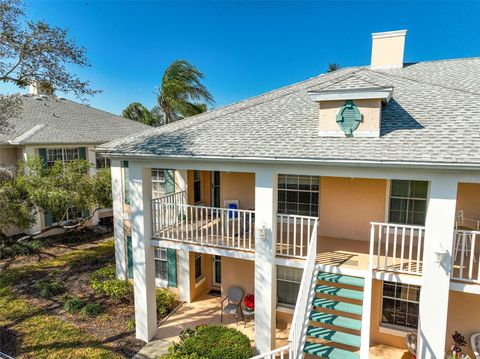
137 112
182 94
333 67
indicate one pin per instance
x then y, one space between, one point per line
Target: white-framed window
161 269
63 155
400 303
158 182
198 267
288 284
71 214
197 187
298 195
408 202
102 162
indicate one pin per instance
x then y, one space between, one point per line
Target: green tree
60 189
333 67
33 52
182 93
137 112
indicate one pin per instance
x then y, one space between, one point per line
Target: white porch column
118 228
265 271
439 227
183 273
143 258
92 158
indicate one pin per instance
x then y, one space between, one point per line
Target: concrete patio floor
206 311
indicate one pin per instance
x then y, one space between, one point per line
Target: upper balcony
351 229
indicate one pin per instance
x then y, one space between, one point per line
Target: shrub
74 305
131 324
91 309
101 275
118 289
165 301
49 288
213 342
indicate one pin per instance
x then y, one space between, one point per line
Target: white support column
27 152
118 227
183 272
265 270
439 227
92 158
143 256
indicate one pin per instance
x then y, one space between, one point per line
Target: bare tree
33 52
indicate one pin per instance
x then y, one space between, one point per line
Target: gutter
303 161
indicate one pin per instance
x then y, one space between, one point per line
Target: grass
41 335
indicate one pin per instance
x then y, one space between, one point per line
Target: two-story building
347 203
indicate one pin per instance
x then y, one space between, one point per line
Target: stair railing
298 327
282 353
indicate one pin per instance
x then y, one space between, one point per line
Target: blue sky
246 48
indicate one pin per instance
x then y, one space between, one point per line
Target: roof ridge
422 81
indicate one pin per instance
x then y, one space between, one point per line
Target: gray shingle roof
434 117
49 120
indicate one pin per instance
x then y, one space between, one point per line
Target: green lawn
38 334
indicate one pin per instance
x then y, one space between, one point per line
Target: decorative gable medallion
349 117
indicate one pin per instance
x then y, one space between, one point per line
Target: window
400 304
161 271
408 202
102 162
71 214
158 183
198 267
288 284
63 155
298 195
197 193
126 184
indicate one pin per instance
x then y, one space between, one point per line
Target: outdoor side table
247 315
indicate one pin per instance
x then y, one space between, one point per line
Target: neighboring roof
51 120
433 117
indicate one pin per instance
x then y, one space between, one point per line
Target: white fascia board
383 93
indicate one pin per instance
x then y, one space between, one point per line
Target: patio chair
475 340
234 302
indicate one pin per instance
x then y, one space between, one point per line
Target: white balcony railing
397 247
201 225
293 234
466 256
299 320
279 353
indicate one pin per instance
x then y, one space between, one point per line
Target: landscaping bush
212 342
74 305
101 275
49 288
166 300
91 309
131 324
103 280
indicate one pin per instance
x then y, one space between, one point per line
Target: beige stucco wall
388 51
370 110
468 199
238 273
9 156
348 205
239 186
204 285
463 316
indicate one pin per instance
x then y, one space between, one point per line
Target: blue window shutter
169 181
42 153
82 153
126 185
172 267
129 257
47 218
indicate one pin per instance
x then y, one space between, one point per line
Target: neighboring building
364 176
57 129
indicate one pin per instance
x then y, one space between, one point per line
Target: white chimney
41 88
387 49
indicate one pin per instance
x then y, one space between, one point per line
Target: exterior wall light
262 232
440 255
